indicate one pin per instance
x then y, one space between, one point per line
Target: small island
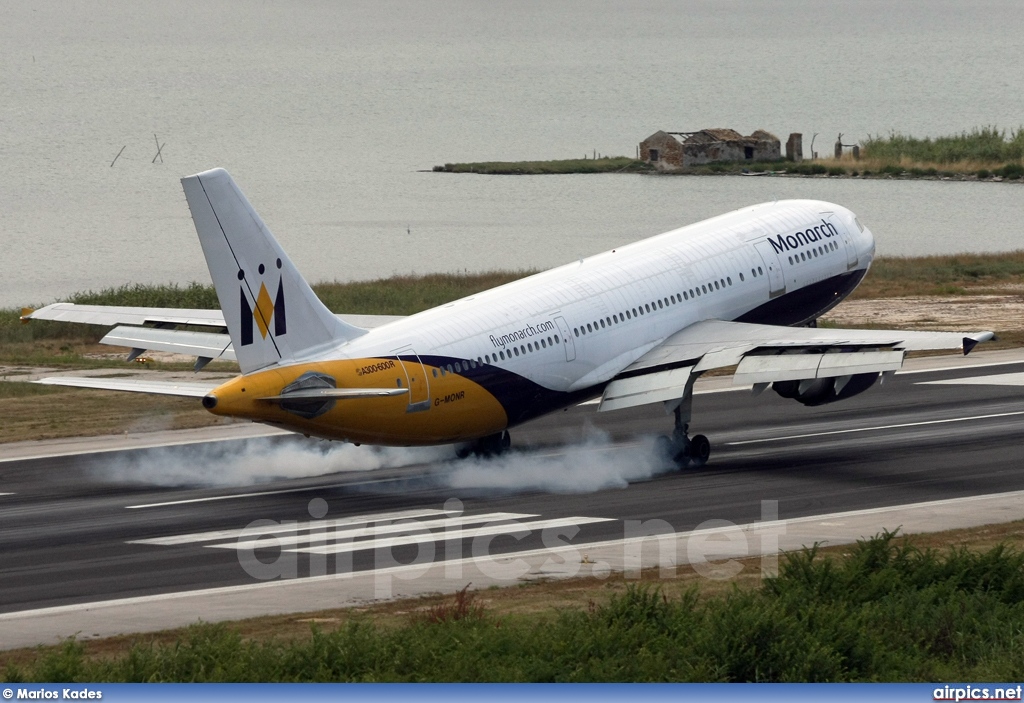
985 154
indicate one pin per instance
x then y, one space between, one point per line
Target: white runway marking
248 495
291 527
1003 379
397 528
875 428
6 494
343 535
513 528
193 599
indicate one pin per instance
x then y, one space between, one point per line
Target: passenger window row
594 326
695 292
814 253
638 311
503 355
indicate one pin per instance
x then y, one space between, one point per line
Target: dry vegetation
531 604
35 412
979 291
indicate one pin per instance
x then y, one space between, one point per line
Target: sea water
330 115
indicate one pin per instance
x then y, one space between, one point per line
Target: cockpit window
859 225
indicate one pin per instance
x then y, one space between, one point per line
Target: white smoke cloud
593 465
252 461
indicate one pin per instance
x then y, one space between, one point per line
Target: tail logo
266 311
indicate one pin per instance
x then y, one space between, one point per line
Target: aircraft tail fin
271 313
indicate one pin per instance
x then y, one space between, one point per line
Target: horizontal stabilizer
349 393
191 390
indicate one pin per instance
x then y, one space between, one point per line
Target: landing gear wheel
663 448
700 450
491 445
683 450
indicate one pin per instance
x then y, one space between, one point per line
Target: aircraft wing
124 315
120 315
763 354
153 329
192 390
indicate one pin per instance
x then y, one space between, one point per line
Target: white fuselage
607 310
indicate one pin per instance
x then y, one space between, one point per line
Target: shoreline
867 169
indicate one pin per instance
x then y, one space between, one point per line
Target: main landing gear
491 445
680 448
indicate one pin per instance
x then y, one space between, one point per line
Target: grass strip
881 610
52 413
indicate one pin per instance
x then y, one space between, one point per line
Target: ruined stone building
673 150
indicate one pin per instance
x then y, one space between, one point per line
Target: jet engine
818 391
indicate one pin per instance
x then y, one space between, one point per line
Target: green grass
21 389
610 164
886 611
405 295
985 144
958 274
43 342
400 295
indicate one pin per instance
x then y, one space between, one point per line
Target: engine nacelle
819 391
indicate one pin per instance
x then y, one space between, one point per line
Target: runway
87 528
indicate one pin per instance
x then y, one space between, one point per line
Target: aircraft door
567 344
416 379
776 280
852 258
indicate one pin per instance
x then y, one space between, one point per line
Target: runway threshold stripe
285 527
874 429
505 529
329 535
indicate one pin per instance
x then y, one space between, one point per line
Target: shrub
1011 171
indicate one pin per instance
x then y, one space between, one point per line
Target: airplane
636 325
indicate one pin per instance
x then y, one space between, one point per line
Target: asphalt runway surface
94 527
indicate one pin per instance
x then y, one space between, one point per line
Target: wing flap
191 390
717 344
201 344
799 367
646 389
763 354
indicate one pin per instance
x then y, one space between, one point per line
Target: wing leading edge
764 354
153 329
